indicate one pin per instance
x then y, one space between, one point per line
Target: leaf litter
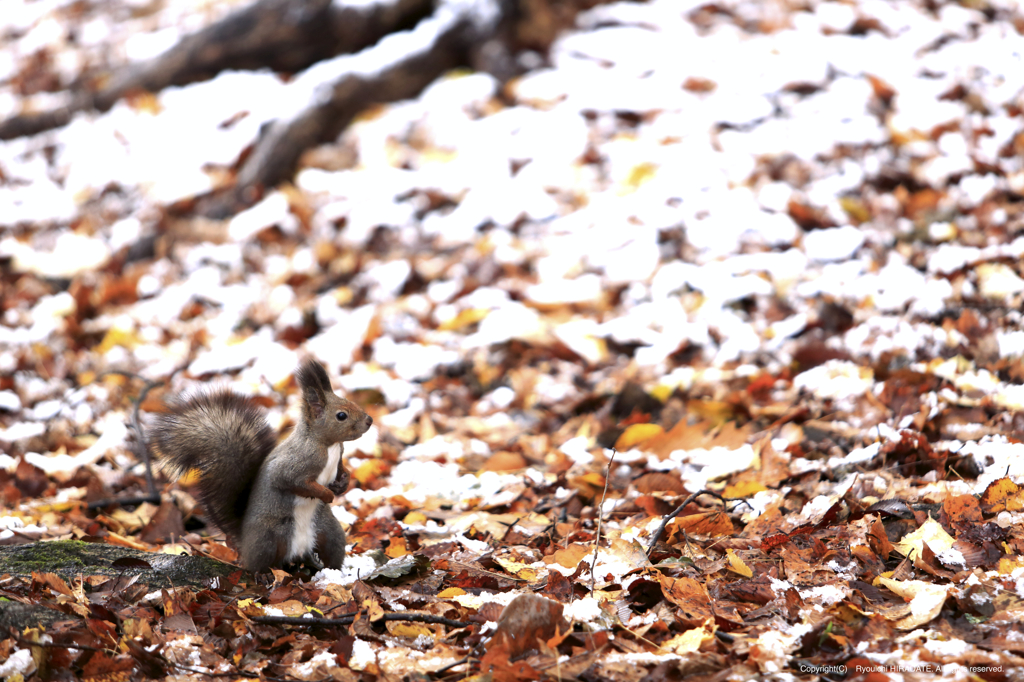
766 250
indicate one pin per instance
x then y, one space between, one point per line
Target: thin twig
600 518
141 447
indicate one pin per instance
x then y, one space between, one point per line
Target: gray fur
250 488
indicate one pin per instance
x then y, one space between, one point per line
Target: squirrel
272 501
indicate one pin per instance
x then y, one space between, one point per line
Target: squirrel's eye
342 416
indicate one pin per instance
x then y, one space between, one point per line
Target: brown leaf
109 668
703 434
165 526
504 460
768 523
569 557
659 482
769 542
496 662
691 598
881 89
713 524
809 217
682 436
878 540
654 506
527 622
963 512
53 581
915 454
774 468
699 85
921 202
927 562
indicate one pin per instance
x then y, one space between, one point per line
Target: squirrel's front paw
339 485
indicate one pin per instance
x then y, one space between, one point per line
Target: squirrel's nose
369 421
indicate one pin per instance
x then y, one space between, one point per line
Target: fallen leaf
405 629
504 460
570 557
737 565
659 482
878 541
1002 495
713 524
527 621
743 489
963 511
691 598
932 533
689 642
636 434
926 600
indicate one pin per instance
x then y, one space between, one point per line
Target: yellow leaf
1002 495
690 641
250 608
415 518
662 392
743 489
638 175
369 470
856 209
737 565
144 102
397 548
1008 565
637 433
464 319
926 600
403 629
115 336
517 568
190 477
134 520
932 533
450 592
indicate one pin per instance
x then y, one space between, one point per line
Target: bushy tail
226 437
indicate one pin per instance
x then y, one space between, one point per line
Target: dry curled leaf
1002 495
713 524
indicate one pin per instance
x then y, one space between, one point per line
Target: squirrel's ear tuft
315 385
312 374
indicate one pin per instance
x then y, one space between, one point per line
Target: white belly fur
304 533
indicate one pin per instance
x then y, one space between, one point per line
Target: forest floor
770 250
